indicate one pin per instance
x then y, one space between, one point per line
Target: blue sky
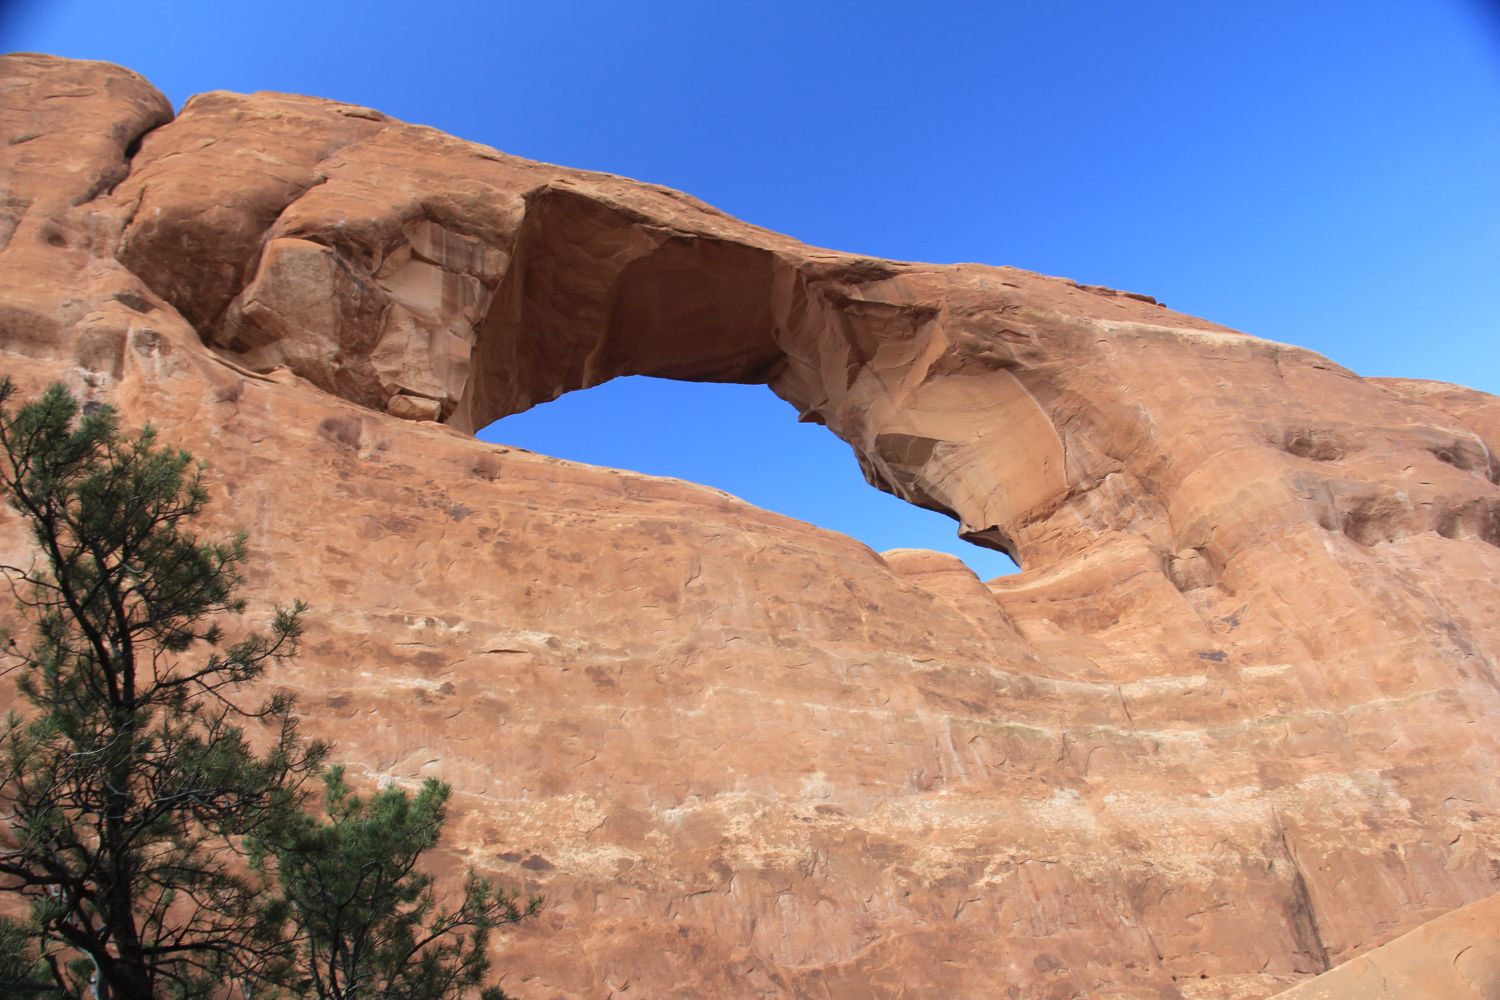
1326 174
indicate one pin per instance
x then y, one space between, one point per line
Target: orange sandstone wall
1237 721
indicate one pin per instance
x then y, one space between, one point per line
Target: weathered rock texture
1237 721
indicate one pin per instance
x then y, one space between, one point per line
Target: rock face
1236 722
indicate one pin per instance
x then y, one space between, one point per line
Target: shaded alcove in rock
741 439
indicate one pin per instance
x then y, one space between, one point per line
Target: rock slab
1455 957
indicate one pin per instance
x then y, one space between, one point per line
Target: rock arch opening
595 290
741 439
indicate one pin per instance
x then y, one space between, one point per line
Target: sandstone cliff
1237 721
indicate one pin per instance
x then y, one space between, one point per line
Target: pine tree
160 853
368 920
22 973
128 787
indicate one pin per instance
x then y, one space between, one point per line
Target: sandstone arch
1235 720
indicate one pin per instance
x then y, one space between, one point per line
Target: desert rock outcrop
1237 721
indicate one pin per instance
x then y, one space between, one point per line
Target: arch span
595 291
457 283
411 272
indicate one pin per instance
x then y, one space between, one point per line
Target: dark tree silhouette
128 787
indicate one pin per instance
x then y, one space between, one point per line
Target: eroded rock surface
1238 721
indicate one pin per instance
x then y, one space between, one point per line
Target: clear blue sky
1322 173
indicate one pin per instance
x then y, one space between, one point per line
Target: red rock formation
1236 721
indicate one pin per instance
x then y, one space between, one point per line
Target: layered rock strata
1236 722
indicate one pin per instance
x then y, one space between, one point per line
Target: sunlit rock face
1237 720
